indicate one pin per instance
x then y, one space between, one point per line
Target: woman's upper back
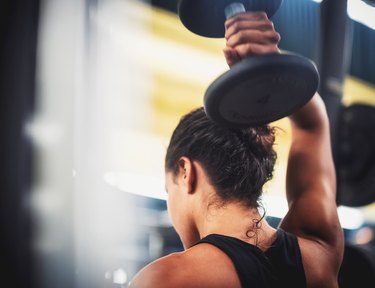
224 261
281 264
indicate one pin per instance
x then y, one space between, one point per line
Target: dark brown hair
238 162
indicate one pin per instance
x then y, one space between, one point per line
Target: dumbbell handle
233 9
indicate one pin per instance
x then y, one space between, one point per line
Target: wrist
312 115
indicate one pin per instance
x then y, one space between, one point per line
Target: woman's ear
187 173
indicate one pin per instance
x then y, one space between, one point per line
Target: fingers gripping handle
233 9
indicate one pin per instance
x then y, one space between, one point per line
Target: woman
214 179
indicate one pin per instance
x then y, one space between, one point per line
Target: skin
310 189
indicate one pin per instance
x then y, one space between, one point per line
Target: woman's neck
236 220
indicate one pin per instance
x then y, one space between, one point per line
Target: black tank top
279 266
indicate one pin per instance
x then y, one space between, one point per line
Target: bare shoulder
200 266
159 273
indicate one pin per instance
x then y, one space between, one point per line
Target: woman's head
238 162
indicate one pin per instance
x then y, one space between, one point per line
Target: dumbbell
258 89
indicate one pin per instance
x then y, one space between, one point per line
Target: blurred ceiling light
120 276
350 218
362 12
44 132
275 206
148 186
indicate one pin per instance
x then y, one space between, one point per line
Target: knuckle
235 27
267 25
273 36
241 37
246 50
277 37
232 41
262 15
237 39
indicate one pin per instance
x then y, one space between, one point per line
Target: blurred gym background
90 93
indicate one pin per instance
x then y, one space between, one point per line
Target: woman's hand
248 34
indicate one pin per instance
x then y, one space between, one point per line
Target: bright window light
362 13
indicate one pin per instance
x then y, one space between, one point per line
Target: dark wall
18 35
363 56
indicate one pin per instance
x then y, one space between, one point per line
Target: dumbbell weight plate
206 17
355 163
261 89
